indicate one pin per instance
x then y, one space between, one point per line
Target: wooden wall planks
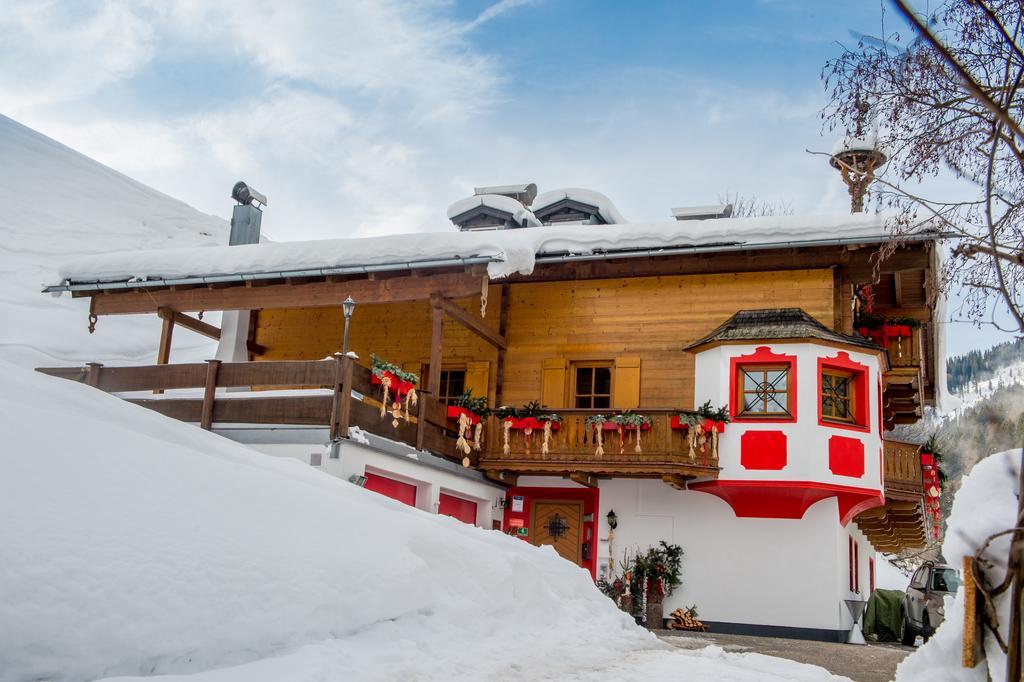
652 318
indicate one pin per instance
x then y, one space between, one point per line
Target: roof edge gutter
477 260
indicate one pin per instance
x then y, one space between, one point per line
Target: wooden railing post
92 375
421 422
345 409
209 394
341 404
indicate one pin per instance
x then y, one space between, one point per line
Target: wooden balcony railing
903 475
347 400
664 452
905 352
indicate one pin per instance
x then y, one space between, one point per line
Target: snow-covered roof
603 204
505 251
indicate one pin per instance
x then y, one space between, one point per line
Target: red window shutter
463 510
851 562
856 567
389 487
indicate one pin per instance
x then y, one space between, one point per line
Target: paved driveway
868 663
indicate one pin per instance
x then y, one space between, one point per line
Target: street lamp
348 307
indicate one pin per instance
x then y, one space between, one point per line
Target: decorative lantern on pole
857 157
348 307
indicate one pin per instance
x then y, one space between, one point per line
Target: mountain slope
56 203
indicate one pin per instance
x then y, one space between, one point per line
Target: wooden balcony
335 393
899 524
572 452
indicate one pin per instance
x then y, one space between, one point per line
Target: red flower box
712 425
612 426
523 423
454 412
398 387
677 424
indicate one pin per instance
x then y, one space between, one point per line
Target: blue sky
371 116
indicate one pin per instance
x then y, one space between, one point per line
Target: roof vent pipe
702 212
247 215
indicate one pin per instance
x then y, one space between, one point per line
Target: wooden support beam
470 322
203 328
584 479
209 394
434 380
163 354
677 481
322 294
341 403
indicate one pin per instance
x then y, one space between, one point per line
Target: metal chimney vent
247 216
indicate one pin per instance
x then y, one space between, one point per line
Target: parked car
922 611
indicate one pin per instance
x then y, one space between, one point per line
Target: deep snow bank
57 204
131 544
985 504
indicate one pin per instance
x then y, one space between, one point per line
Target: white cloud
53 52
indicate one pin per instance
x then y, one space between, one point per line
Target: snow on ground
58 204
985 504
133 544
512 250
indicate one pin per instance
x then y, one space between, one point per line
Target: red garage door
463 510
396 490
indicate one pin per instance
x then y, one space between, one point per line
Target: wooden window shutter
626 385
478 375
552 383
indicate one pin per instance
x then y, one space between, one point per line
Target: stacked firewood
685 619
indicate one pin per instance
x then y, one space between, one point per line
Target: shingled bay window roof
776 324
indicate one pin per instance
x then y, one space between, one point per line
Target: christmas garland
702 427
933 481
470 413
529 418
391 377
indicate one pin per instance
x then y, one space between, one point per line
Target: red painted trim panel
763 450
789 499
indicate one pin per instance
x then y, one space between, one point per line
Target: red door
389 487
463 510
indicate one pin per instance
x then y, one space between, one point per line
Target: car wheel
907 634
926 627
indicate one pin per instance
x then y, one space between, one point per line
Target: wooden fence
426 429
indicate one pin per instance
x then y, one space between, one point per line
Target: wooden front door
558 523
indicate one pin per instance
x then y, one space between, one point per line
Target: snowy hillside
137 545
1008 375
56 204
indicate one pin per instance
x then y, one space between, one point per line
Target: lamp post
348 307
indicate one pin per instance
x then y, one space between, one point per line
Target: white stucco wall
807 441
783 572
356 459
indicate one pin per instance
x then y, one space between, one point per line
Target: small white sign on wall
517 503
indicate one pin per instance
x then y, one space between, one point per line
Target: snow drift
985 504
134 545
58 204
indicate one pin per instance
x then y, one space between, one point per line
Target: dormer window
568 211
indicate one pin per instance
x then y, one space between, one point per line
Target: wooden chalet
627 326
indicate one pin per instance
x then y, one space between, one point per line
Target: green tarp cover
882 617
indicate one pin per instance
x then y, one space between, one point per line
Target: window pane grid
765 391
837 397
593 387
